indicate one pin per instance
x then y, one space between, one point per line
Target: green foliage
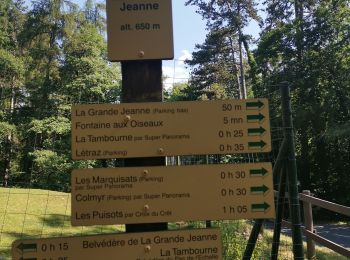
51 125
176 93
307 44
6 130
221 58
338 132
11 18
183 91
11 68
215 92
211 64
236 13
50 170
234 239
51 56
86 75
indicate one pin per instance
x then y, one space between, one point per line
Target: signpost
149 195
162 129
166 245
139 30
156 194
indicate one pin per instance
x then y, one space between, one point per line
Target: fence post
292 172
259 222
309 225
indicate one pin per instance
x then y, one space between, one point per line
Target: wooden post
309 225
142 82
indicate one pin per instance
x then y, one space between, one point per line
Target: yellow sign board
139 30
103 131
166 194
166 245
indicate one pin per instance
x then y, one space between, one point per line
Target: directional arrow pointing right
254 105
256 131
258 172
262 207
259 189
255 118
256 145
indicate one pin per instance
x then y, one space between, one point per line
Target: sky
188 30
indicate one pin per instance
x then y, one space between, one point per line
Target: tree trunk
299 20
242 70
241 64
235 68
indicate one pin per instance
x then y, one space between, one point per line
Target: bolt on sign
139 30
167 194
103 131
166 245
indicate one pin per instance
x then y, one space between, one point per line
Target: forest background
53 55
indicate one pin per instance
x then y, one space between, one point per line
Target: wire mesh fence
28 210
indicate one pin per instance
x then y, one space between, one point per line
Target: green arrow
255 118
259 189
260 207
256 145
256 131
254 105
27 247
258 172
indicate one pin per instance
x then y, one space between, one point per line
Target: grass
322 253
33 213
235 234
